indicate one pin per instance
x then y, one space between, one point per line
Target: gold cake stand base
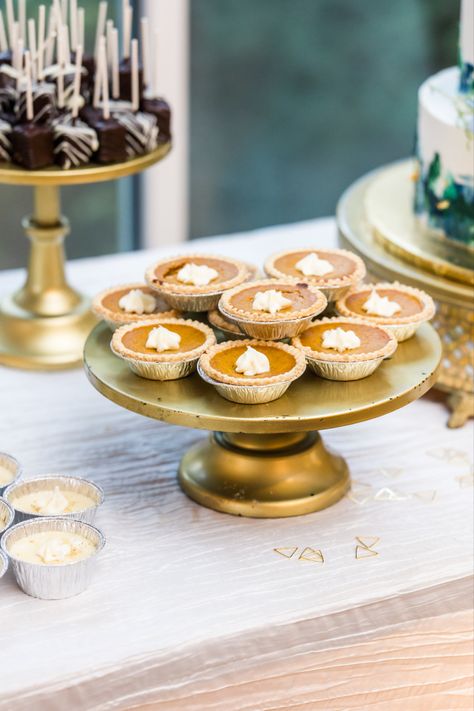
266 461
44 325
375 219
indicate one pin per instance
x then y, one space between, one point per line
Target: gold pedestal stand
44 325
376 220
268 460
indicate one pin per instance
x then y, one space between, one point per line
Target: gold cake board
375 219
44 325
267 460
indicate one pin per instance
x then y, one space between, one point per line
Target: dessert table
367 604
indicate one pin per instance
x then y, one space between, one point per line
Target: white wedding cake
445 142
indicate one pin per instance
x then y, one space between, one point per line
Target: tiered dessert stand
44 325
267 460
376 220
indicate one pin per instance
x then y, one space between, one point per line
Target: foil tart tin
247 394
355 370
270 330
192 302
13 465
53 582
3 564
162 370
403 331
65 483
218 324
7 516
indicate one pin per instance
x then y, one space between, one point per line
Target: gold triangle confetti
313 555
427 496
286 552
386 494
363 552
367 541
447 454
391 472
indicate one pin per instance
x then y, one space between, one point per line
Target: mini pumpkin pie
229 329
399 308
167 349
345 348
129 303
334 271
195 282
272 308
251 372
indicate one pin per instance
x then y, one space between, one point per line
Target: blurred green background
291 100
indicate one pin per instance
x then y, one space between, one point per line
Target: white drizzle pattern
141 132
74 145
5 144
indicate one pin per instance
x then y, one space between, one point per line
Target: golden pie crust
349 269
129 341
218 321
417 306
105 305
376 341
306 301
286 363
162 276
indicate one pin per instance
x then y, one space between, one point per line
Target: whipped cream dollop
138 302
162 339
49 503
54 550
271 300
340 340
252 362
197 274
312 265
380 305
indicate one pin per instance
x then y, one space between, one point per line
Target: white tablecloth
191 609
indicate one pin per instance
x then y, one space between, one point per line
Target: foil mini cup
58 581
247 394
191 302
7 516
218 323
3 564
48 483
114 325
403 331
12 465
270 330
355 370
161 370
334 293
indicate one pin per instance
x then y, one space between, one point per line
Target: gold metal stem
46 292
264 475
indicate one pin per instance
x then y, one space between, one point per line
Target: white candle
108 34
32 45
115 64
101 19
73 23
3 35
41 29
81 38
127 31
135 79
29 90
60 78
11 23
125 42
145 37
105 79
77 81
22 19
64 11
67 49
156 64
97 83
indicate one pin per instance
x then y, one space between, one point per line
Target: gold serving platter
267 460
11 174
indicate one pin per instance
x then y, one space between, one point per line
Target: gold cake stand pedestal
44 325
267 461
375 219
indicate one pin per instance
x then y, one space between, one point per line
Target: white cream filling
312 265
196 274
138 302
49 503
340 340
52 548
162 339
252 362
271 300
377 305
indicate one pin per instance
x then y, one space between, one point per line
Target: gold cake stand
44 325
375 219
267 460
